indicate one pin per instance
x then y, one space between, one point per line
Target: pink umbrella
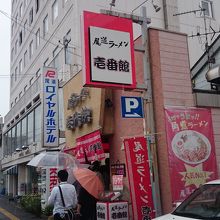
90 181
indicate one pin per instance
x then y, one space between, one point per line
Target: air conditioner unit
24 147
18 149
213 75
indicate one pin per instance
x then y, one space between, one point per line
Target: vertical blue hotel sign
50 108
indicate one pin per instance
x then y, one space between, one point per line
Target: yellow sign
195 175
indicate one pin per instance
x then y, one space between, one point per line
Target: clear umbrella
54 159
57 159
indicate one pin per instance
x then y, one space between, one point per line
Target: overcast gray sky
4 57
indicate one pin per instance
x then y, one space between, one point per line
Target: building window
19 134
13 140
25 27
12 54
38 38
68 50
16 99
21 10
31 17
20 67
20 38
12 80
16 20
207 5
31 49
37 5
25 58
31 81
30 128
26 3
12 29
20 94
45 25
16 73
46 62
54 10
13 5
24 132
37 124
38 73
25 88
16 46
56 57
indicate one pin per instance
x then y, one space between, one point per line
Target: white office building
48 33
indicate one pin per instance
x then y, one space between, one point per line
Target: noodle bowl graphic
191 147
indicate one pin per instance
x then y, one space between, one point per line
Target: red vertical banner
53 177
139 178
191 149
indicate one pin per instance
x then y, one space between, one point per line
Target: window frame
31 49
37 6
45 25
210 7
31 16
37 38
20 66
21 10
25 27
16 73
20 38
25 58
55 10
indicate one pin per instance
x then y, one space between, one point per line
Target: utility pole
148 121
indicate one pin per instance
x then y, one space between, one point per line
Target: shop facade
172 88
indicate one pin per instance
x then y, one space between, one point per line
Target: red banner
91 145
139 178
191 149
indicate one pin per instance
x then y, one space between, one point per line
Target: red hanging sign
91 145
139 178
191 149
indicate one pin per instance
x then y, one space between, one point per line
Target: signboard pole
148 121
149 114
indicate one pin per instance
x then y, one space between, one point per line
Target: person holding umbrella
63 198
89 192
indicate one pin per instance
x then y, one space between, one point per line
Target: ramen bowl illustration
191 147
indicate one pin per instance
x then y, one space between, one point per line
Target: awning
11 170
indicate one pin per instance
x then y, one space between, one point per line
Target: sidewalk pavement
13 208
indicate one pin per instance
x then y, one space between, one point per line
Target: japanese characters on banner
53 177
91 146
112 210
191 149
139 178
118 210
50 108
109 51
117 182
102 210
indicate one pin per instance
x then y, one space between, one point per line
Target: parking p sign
131 107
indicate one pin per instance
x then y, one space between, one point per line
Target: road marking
8 214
